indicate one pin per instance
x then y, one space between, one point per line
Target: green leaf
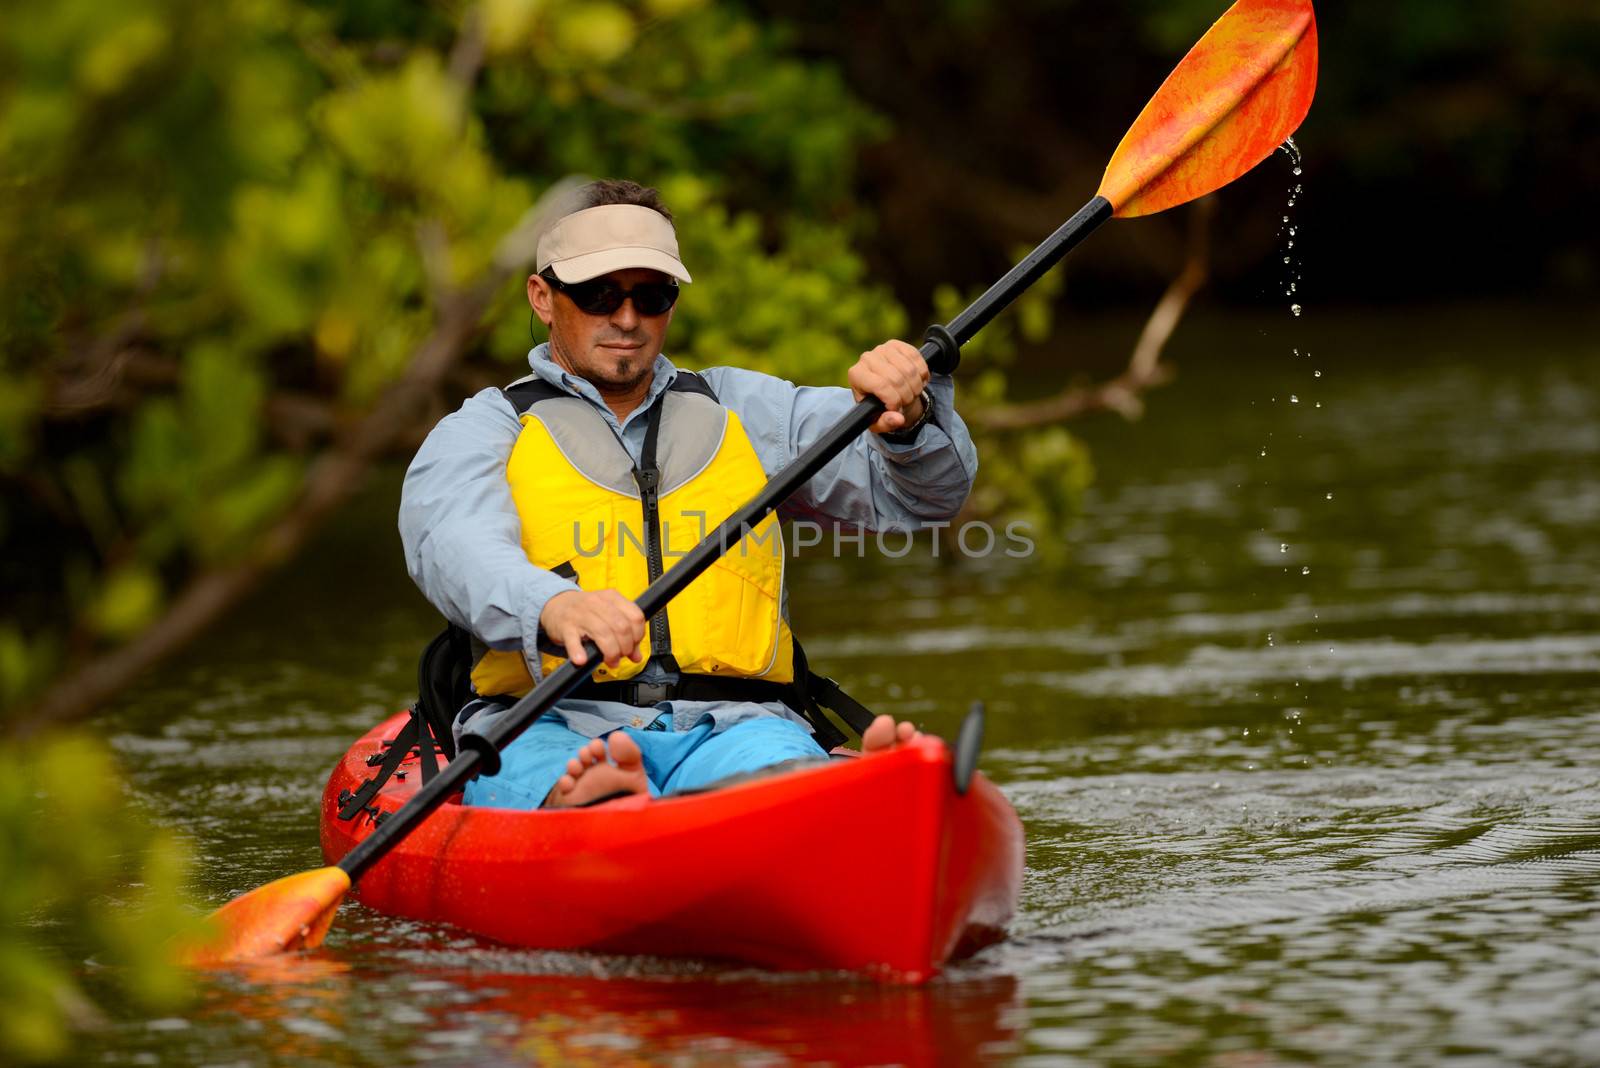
129 600
120 52
508 24
253 499
596 33
77 861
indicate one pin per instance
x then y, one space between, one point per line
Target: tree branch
1122 394
331 480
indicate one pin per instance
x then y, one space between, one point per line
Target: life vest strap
804 699
441 679
690 688
526 392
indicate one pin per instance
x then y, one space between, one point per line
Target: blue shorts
673 760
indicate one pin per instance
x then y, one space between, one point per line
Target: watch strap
908 435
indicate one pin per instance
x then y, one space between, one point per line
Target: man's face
614 351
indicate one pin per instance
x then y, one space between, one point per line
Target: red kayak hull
873 865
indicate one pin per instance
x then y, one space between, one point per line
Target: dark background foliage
1450 154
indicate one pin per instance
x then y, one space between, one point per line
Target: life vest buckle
650 694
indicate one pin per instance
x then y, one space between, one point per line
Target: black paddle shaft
480 751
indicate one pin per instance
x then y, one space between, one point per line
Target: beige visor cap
612 237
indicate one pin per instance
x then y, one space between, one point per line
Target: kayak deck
874 865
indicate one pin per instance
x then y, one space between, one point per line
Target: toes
884 733
879 735
625 751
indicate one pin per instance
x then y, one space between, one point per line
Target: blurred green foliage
216 213
79 868
228 229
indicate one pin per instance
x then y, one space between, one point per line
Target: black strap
652 435
444 673
828 694
648 476
816 694
391 762
425 736
689 382
526 392
444 685
808 699
689 688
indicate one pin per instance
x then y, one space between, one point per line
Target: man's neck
622 402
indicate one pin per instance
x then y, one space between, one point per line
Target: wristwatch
907 435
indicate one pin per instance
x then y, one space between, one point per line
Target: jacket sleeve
461 532
872 484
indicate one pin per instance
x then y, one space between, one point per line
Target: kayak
873 864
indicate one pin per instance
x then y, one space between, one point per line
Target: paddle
1235 97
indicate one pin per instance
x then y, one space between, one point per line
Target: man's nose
626 317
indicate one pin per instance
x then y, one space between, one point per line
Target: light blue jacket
462 534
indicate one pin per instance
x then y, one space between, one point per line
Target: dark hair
621 191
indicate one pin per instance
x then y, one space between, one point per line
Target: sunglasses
601 297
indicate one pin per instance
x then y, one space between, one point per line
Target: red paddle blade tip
1239 93
288 914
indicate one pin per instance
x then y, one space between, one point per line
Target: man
533 515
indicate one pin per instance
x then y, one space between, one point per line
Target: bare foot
590 776
885 733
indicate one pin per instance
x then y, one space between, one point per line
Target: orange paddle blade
1238 94
291 913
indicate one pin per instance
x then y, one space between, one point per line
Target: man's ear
541 298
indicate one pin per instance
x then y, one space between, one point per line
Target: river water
1307 745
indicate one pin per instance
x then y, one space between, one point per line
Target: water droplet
1286 259
1283 546
1295 308
1297 172
1263 452
1297 187
1316 374
1329 497
1294 399
1319 404
1291 244
1286 218
1305 571
1293 286
1291 202
1291 231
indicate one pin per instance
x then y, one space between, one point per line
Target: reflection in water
1345 817
749 1019
508 1007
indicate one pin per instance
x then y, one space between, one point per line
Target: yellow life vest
590 513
